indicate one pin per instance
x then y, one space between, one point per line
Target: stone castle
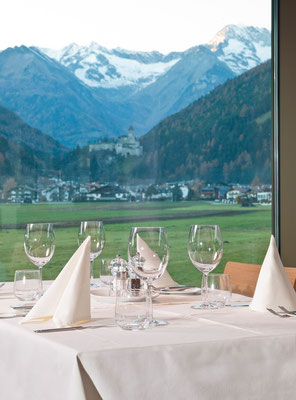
124 145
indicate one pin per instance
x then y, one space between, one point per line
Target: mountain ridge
16 130
49 96
25 151
220 45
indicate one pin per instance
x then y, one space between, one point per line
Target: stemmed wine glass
148 254
39 244
94 229
205 249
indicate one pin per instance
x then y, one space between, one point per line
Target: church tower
131 133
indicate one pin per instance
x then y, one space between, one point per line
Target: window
169 138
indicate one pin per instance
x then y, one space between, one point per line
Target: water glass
132 309
106 275
27 285
219 290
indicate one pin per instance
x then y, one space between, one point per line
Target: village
57 190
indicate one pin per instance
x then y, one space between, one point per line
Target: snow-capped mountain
80 93
97 66
239 47
47 96
242 47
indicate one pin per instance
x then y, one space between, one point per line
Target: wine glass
148 254
94 229
39 244
205 249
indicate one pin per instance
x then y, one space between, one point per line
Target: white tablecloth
231 353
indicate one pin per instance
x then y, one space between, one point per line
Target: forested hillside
223 136
25 151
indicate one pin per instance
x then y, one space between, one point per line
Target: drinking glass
132 309
39 244
205 249
94 229
107 274
148 254
219 290
27 285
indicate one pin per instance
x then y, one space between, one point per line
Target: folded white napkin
273 287
146 252
67 300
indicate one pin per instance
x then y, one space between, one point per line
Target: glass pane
159 115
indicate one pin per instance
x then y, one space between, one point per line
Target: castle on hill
124 145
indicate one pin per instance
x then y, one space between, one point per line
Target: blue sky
163 25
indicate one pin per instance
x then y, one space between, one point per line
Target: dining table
227 353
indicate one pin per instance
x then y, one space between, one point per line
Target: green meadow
246 232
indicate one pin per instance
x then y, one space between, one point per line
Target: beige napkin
273 287
146 252
67 300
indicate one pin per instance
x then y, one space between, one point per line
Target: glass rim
27 271
39 223
147 227
96 221
205 226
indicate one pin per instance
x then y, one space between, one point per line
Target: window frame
275 133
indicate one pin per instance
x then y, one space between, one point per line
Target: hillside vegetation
25 151
223 136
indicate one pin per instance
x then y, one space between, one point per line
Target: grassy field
246 232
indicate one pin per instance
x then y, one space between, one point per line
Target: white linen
154 261
67 300
273 287
201 354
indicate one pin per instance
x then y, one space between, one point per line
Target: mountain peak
242 32
241 47
220 37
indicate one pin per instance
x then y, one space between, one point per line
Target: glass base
205 306
156 322
134 325
95 284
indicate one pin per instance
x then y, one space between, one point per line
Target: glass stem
91 270
149 296
40 270
205 288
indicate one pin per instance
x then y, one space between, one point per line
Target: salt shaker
121 280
